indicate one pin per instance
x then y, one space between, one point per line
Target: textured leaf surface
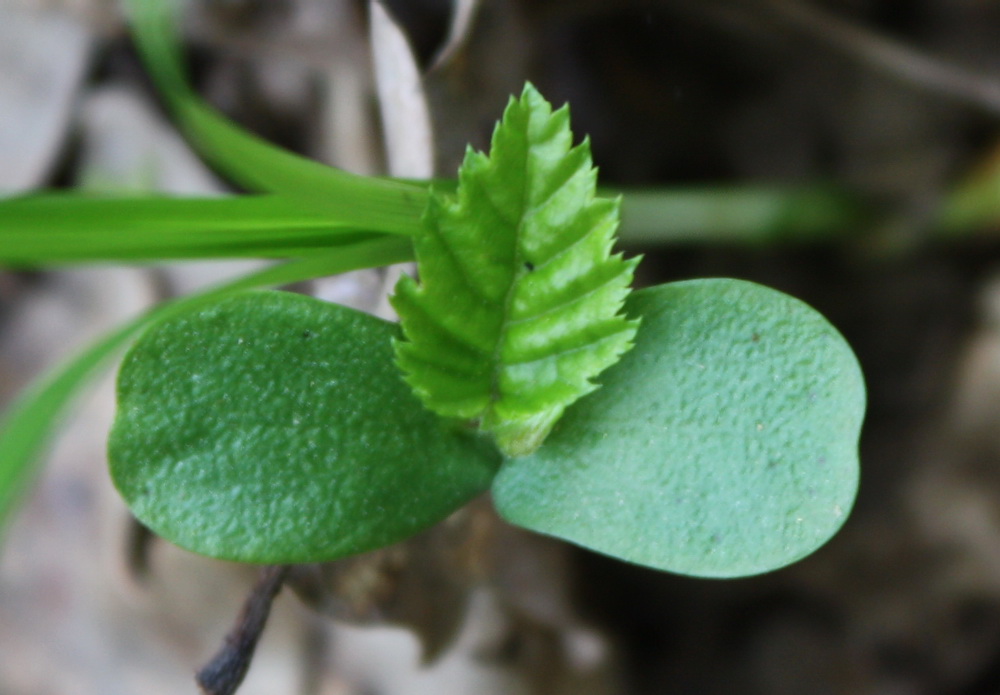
724 444
519 294
32 420
275 428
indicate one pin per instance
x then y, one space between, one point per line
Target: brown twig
227 669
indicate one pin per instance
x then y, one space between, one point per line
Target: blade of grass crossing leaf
742 215
73 228
154 25
162 212
378 204
34 417
302 247
30 422
974 205
66 228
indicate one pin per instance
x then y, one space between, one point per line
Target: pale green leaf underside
272 427
518 303
724 444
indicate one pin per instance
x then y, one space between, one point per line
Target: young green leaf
724 444
274 428
518 303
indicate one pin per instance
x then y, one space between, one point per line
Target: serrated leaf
272 427
724 444
519 297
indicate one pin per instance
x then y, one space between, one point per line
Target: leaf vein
460 268
435 321
561 251
579 298
537 207
579 348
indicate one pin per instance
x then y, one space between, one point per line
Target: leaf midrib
497 357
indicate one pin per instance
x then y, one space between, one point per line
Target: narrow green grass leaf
381 205
724 444
745 215
67 228
61 228
973 207
32 420
519 296
274 428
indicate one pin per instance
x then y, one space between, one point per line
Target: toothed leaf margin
519 301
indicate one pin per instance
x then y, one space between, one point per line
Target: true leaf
518 303
724 444
275 428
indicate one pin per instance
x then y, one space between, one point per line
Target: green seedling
706 427
275 428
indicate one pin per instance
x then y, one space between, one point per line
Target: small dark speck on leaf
755 338
306 335
529 266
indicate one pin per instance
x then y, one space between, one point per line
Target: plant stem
227 669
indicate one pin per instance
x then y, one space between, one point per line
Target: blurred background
893 105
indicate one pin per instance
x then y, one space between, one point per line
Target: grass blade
382 205
59 228
744 214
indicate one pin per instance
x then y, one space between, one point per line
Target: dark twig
227 669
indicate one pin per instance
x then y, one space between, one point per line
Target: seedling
706 427
710 428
